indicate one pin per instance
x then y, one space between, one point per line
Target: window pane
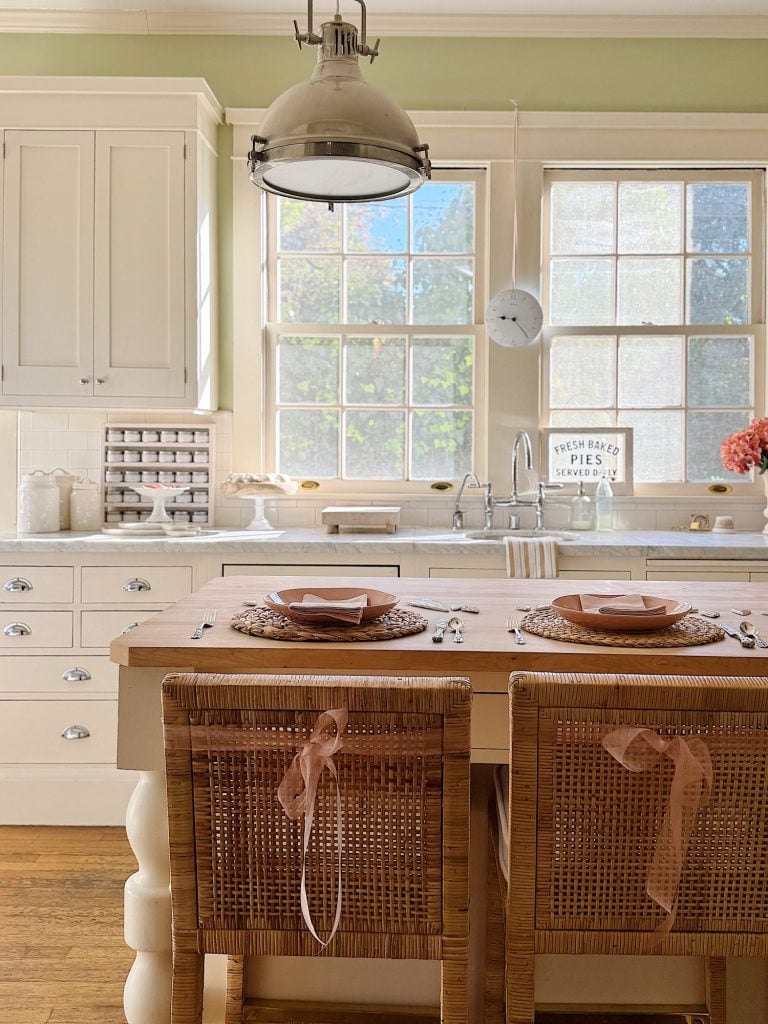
718 217
580 418
308 370
308 442
377 227
650 216
375 291
581 291
444 217
706 432
718 291
442 291
657 445
582 216
308 227
309 290
582 371
374 371
441 445
650 371
719 372
650 291
441 371
374 445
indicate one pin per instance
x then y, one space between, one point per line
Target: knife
440 627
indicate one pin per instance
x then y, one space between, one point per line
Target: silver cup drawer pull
76 675
17 629
137 584
17 585
129 627
75 732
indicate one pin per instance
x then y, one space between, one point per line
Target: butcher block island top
164 640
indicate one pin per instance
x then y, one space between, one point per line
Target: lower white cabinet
58 732
29 630
73 676
99 628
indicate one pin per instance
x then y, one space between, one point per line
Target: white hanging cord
515 151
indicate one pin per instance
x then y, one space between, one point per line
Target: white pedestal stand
259 521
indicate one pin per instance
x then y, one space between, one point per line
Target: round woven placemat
687 632
274 626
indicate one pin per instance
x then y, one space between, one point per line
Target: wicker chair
236 857
584 829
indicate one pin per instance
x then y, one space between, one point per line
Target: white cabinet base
94 794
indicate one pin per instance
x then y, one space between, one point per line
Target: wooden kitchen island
489 654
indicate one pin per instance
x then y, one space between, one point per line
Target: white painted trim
554 26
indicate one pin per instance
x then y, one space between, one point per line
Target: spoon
456 626
749 630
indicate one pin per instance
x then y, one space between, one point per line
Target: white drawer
137 584
99 629
23 630
70 676
36 584
31 732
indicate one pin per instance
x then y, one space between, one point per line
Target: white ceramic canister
182 456
115 436
200 457
64 481
149 455
150 436
185 436
85 506
200 476
114 476
132 436
201 437
200 497
131 455
115 455
149 476
183 477
199 517
165 456
38 503
132 476
166 477
168 436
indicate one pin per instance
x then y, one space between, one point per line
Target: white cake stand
159 496
259 521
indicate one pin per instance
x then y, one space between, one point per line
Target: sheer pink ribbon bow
297 793
641 750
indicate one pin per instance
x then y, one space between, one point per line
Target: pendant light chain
515 155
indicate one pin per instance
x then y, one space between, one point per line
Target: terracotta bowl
569 607
379 602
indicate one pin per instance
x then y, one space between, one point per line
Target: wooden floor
62 955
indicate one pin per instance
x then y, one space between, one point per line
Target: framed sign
573 454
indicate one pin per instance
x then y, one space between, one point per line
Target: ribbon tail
305 911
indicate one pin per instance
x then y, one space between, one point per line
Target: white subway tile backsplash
45 460
39 440
44 421
69 440
86 421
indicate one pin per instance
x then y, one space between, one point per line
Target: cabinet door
139 298
48 263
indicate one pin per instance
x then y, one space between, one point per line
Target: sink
499 534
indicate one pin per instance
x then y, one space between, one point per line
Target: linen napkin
349 609
531 558
621 604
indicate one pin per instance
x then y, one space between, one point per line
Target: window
653 297
373 334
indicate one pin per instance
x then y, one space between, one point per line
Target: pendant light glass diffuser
336 138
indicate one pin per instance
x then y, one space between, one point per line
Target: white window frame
754 330
275 329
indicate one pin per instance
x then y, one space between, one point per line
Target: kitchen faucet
470 480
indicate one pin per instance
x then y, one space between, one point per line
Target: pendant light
336 138
514 317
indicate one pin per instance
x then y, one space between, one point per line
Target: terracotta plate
379 602
569 607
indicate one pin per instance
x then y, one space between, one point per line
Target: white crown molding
583 26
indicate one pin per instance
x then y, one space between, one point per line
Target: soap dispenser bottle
582 510
604 504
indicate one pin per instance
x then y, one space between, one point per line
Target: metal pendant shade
336 138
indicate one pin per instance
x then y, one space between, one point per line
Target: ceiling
563 18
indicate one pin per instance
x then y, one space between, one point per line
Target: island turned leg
147 994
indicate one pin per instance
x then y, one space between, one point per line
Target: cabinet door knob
128 629
101 380
85 380
17 584
17 629
76 675
137 584
75 732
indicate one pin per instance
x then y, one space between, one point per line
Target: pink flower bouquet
747 449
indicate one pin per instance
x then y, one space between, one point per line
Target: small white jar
185 436
200 497
200 477
168 436
183 477
150 436
132 436
115 455
38 504
183 456
181 517
149 476
201 458
166 477
114 495
199 517
85 505
149 455
114 436
131 455
201 437
132 476
114 476
165 456
131 497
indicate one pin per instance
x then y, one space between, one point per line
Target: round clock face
513 318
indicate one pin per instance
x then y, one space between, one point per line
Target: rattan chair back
236 857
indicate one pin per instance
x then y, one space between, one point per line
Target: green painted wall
448 74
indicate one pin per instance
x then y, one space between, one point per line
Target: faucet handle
458 520
543 487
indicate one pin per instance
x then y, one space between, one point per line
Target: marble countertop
616 543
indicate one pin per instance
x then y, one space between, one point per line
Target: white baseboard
64 794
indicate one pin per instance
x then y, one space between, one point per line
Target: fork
208 620
513 626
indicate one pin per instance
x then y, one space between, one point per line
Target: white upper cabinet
108 270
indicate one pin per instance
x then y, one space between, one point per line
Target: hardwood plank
62 955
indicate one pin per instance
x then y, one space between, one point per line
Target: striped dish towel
531 558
